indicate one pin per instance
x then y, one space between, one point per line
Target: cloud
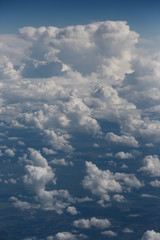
62 83
151 235
13 47
72 210
123 155
104 182
122 140
48 151
68 236
23 205
59 140
118 198
93 222
61 162
155 183
38 175
127 230
9 152
7 70
104 48
109 233
151 165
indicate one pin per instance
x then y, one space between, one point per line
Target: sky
142 16
79 120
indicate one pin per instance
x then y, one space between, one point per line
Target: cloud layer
76 102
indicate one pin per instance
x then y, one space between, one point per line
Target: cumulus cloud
124 155
7 70
109 233
9 152
61 161
63 82
59 140
48 151
72 210
104 48
122 140
23 205
151 235
104 182
155 183
69 236
118 198
38 175
93 222
151 165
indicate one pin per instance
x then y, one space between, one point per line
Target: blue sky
142 16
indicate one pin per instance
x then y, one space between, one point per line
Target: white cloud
100 182
118 198
72 210
23 205
38 175
110 233
104 182
59 140
9 152
123 140
84 77
48 151
155 183
61 161
7 70
151 235
146 195
68 236
130 180
12 180
151 165
123 155
93 222
104 48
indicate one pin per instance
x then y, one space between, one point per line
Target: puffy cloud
23 205
123 155
61 161
13 47
38 175
118 198
155 183
151 165
130 180
100 182
104 182
68 236
86 78
72 210
7 70
151 235
122 140
105 48
109 233
48 151
80 113
59 140
93 222
9 152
